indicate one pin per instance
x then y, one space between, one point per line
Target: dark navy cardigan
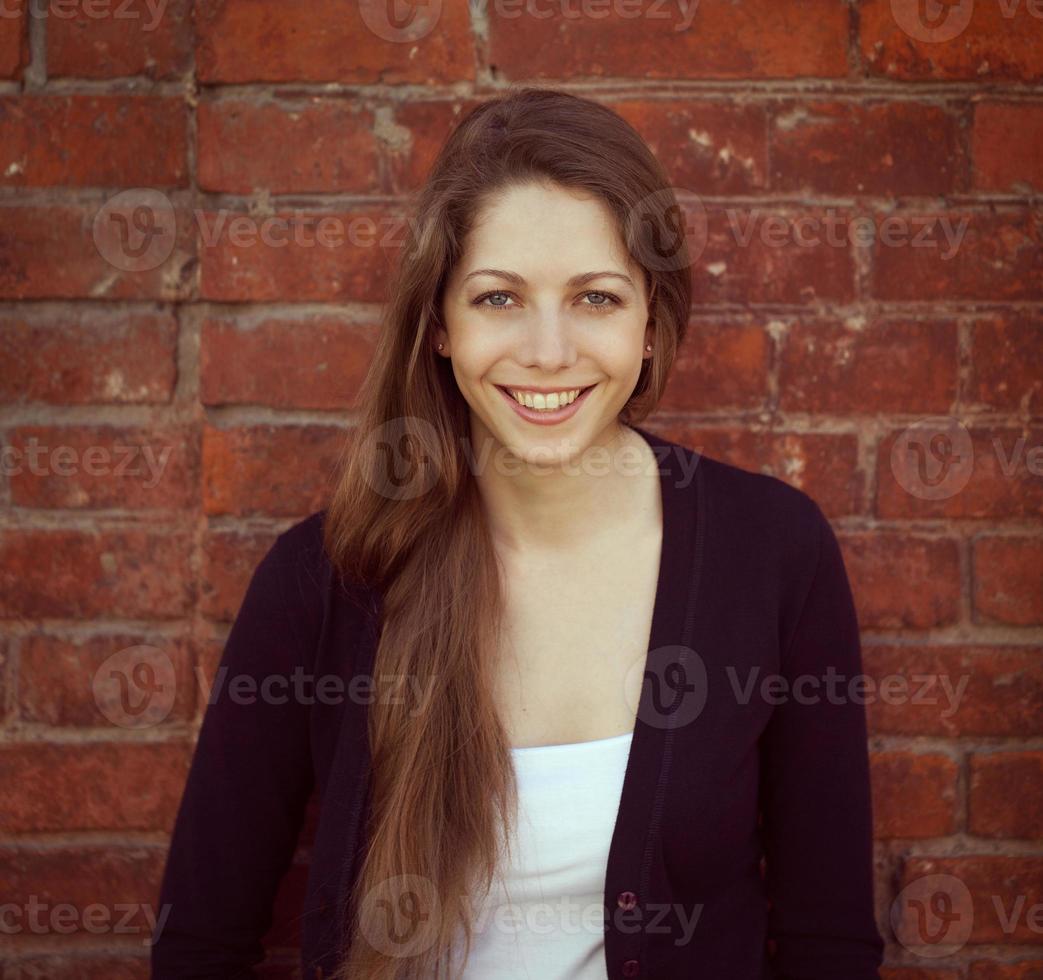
742 847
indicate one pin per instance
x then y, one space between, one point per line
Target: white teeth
546 403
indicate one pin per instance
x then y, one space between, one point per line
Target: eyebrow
578 280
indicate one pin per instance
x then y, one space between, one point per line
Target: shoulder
299 559
743 501
762 502
767 529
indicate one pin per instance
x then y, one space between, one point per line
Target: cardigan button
631 968
626 900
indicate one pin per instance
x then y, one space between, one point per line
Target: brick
884 565
915 973
91 786
755 39
50 252
1022 969
961 690
893 148
298 256
985 473
823 465
242 147
229 559
1005 145
1007 580
133 573
1006 795
948 256
290 894
1006 369
314 362
6 681
97 966
267 469
93 141
14 43
914 795
759 255
999 42
108 891
1002 891
712 147
129 40
859 367
63 680
262 41
85 356
104 467
414 136
719 365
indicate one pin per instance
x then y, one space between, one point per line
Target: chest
574 642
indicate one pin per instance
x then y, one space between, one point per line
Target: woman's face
545 297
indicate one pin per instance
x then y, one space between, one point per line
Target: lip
546 417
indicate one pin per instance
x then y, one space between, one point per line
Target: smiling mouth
509 392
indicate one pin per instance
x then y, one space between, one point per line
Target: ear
440 336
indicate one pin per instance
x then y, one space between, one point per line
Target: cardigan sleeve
247 789
815 790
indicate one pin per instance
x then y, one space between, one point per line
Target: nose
548 345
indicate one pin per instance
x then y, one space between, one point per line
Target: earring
648 346
441 346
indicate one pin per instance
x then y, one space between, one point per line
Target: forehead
544 231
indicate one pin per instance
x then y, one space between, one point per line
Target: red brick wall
848 123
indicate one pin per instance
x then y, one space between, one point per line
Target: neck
539 508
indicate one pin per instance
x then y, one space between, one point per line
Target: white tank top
550 923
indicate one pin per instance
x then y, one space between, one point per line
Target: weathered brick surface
201 202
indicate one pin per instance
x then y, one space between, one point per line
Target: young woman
605 755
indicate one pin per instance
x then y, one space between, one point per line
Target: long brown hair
442 780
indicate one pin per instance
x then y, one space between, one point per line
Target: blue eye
612 300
